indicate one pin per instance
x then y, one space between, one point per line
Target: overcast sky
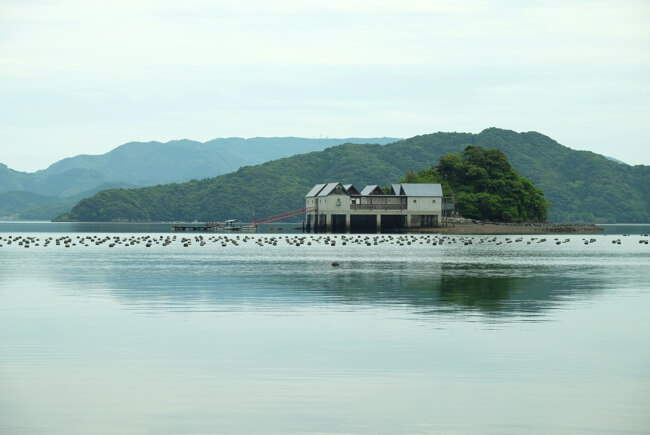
83 77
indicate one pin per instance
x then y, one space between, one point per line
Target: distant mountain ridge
581 185
137 164
149 163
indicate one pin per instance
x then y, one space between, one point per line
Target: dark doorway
393 223
322 223
361 223
338 223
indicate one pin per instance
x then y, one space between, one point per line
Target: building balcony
377 206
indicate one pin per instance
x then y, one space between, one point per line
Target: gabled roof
351 189
407 189
329 188
314 190
372 189
411 189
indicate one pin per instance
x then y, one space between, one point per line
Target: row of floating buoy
287 239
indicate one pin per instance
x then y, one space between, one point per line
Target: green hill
11 202
151 163
51 191
582 186
27 205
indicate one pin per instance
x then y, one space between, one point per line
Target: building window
338 202
415 200
433 201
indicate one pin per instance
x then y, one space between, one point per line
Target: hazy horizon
81 77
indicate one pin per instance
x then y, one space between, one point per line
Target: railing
378 202
377 206
279 217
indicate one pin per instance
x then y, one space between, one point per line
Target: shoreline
506 228
464 226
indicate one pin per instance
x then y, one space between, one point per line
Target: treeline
582 186
485 186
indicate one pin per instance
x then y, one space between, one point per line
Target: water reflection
497 290
491 281
277 340
283 285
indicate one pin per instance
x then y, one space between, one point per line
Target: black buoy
335 264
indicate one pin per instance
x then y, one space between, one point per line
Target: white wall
424 204
336 204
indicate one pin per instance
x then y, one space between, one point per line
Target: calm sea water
240 335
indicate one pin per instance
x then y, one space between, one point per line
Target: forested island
485 187
581 186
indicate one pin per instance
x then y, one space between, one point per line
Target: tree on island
485 186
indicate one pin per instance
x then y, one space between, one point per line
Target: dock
207 227
214 227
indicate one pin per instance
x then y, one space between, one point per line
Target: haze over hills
581 185
49 192
150 163
42 207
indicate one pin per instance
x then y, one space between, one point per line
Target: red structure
279 217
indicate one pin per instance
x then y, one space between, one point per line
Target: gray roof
314 190
328 189
422 189
408 189
368 189
351 189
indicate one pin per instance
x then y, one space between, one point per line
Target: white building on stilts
335 207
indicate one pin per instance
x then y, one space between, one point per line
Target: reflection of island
484 293
495 290
498 290
501 295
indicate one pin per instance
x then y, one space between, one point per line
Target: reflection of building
338 208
